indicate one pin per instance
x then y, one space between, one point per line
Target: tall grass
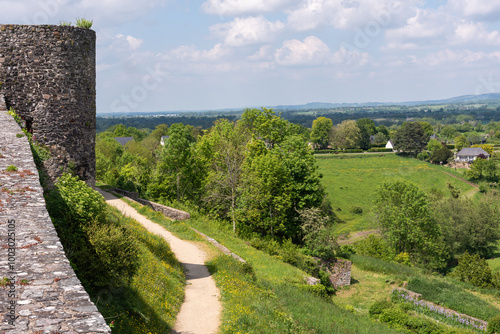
452 296
383 267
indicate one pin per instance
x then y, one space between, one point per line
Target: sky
168 55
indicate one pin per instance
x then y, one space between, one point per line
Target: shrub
473 269
85 204
380 149
353 150
356 210
494 325
11 168
424 156
379 306
394 316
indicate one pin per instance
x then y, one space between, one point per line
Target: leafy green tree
482 169
279 182
474 270
223 151
119 130
404 215
410 138
469 226
380 138
346 134
428 129
433 144
474 138
383 129
266 125
321 128
179 174
367 128
449 131
461 142
441 155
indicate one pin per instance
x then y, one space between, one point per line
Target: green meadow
351 180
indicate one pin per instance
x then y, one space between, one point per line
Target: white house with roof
163 140
390 145
469 154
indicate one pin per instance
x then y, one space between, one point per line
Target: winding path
200 312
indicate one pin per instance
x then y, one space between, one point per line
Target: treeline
385 115
204 122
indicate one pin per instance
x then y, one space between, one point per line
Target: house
372 139
434 136
469 154
163 140
389 145
123 140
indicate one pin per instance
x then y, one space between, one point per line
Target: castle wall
39 291
47 74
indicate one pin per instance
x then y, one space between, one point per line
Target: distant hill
482 98
464 99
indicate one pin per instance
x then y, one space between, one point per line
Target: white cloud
243 7
134 43
478 9
476 33
311 51
350 14
191 53
247 31
460 58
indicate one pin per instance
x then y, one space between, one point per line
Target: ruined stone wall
47 74
39 291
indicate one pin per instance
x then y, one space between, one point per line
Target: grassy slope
151 300
270 296
352 180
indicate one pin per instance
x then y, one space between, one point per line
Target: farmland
351 180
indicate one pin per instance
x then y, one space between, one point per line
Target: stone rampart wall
47 74
39 291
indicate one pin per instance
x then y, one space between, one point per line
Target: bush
85 205
353 150
379 306
424 156
494 325
356 210
474 270
11 168
380 149
394 316
450 146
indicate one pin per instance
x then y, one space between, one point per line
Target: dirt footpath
200 312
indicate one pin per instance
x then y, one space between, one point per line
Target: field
351 180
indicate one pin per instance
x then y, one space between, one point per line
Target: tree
383 129
278 183
449 131
469 226
179 173
367 128
410 138
482 169
266 125
380 138
474 270
321 128
346 134
441 155
223 150
461 142
433 144
404 215
428 129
